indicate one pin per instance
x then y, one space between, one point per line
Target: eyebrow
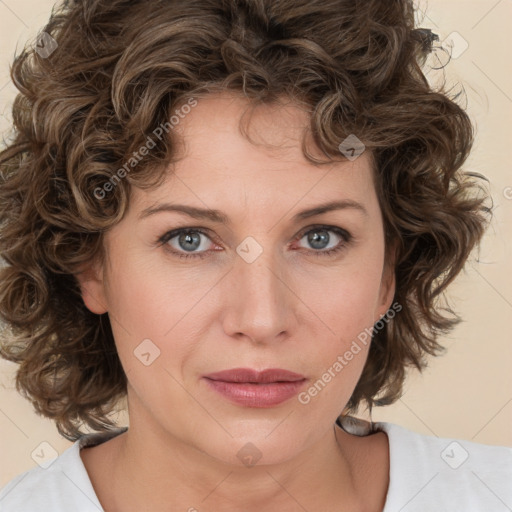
220 217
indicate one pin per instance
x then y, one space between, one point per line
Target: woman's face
252 287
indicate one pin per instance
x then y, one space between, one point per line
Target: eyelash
345 236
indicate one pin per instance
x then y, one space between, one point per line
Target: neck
173 475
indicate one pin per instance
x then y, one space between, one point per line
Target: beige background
467 393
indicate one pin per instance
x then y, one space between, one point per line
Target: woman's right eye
187 240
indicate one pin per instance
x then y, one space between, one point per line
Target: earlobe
387 294
90 280
387 289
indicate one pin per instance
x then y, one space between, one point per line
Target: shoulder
428 471
62 486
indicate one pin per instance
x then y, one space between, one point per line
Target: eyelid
336 229
346 239
208 232
168 235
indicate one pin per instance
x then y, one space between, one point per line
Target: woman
240 216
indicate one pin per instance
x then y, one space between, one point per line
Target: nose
260 304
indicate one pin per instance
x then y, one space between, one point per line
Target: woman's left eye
189 240
319 238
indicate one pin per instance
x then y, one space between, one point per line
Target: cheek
149 299
348 301
347 308
164 307
346 304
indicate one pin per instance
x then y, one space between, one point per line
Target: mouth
248 375
250 388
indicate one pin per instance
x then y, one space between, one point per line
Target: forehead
233 150
275 127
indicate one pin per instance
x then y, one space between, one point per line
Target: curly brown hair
119 69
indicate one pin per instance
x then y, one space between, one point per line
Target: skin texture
290 308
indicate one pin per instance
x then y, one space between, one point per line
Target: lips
248 375
250 388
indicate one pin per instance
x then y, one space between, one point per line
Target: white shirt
427 474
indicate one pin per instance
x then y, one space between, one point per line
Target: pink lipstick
251 388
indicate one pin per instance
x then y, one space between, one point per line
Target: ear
387 286
90 279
